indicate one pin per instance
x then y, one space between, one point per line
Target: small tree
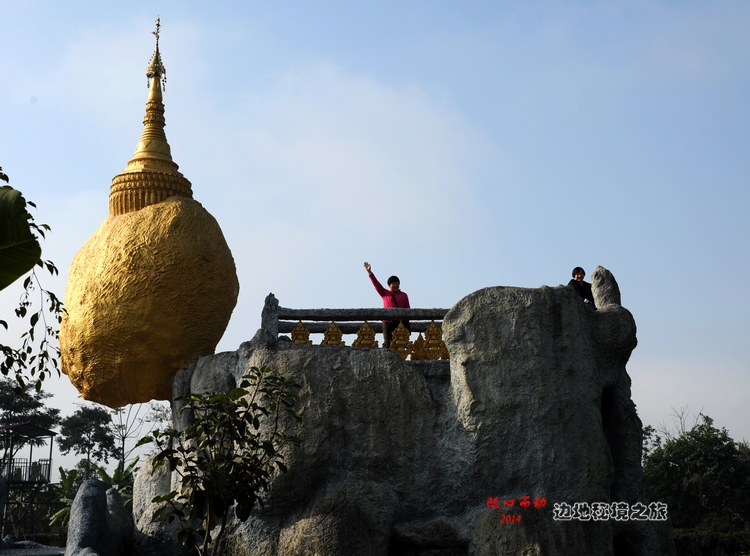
128 424
159 415
703 476
88 432
226 457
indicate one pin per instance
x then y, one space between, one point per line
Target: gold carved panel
300 334
418 353
433 341
400 341
365 337
332 336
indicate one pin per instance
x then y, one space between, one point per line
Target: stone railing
365 323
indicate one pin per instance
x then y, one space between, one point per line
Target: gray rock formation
98 523
149 483
408 458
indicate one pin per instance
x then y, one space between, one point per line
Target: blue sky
458 145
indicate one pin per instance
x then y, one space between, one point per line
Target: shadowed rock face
98 523
401 458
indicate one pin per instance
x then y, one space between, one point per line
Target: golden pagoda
151 175
156 284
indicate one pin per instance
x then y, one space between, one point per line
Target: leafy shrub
226 458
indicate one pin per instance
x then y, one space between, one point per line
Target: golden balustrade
335 323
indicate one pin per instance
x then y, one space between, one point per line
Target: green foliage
703 476
38 355
27 408
226 458
88 432
128 424
30 407
122 479
19 248
650 440
64 493
86 470
158 414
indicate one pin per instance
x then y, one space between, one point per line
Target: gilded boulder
155 286
149 292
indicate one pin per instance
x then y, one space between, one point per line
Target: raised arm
378 287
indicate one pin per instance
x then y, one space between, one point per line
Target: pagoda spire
156 68
151 175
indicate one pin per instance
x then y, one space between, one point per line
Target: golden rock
156 284
148 293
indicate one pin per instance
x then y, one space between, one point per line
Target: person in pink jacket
392 297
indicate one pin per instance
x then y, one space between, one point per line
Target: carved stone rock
98 523
403 458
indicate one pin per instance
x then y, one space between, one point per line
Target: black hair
578 270
393 279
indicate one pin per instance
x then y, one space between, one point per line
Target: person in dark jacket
583 288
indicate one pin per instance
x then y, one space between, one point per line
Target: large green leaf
19 249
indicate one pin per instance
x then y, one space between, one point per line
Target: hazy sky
459 145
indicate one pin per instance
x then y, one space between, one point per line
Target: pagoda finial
156 68
151 175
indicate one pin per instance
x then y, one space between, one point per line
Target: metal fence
22 470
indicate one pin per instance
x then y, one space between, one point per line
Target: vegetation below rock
226 458
704 478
